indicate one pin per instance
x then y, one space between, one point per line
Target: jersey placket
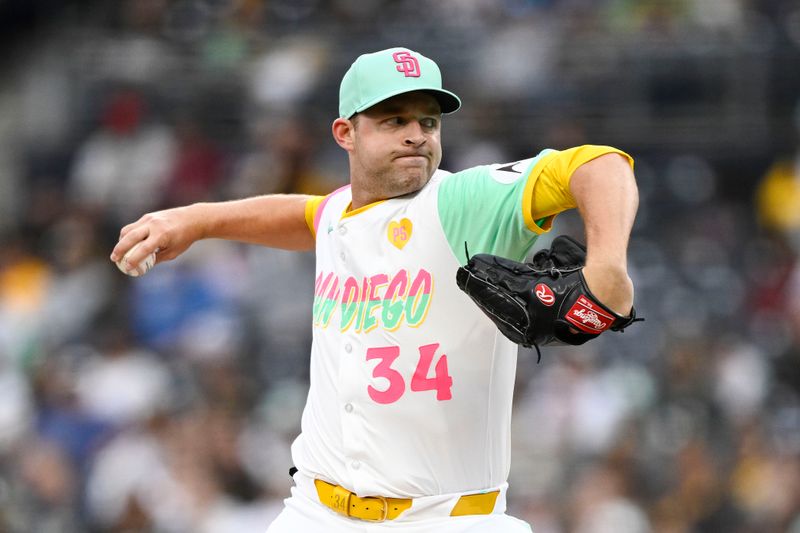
350 348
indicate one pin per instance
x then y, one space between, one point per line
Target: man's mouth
411 156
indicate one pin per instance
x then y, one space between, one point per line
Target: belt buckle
385 512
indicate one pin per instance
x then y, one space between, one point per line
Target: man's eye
429 123
395 121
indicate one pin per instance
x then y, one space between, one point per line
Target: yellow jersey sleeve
547 191
312 205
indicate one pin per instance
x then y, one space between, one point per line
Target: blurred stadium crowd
168 403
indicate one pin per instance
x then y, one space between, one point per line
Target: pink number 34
441 381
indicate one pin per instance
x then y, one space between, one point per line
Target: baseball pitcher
407 422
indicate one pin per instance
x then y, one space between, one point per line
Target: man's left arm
605 192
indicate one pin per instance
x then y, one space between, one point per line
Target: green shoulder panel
483 207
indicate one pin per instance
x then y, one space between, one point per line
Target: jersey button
341 256
342 230
356 464
348 348
348 407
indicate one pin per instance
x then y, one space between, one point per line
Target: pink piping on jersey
318 214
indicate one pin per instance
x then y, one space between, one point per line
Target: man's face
397 145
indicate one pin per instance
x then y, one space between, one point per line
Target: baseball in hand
138 270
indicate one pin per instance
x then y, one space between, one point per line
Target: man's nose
414 135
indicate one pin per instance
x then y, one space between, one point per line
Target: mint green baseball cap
373 78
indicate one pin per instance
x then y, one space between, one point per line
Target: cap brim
448 102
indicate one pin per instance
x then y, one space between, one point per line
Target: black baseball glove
542 302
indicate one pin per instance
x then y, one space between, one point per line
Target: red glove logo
587 316
545 294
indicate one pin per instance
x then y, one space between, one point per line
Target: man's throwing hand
166 233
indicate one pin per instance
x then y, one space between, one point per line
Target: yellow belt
378 508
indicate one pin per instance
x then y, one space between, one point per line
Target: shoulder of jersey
509 172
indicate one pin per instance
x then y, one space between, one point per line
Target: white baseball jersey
411 385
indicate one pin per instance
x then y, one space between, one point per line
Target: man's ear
343 130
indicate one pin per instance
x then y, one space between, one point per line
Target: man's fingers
131 238
153 232
142 250
124 231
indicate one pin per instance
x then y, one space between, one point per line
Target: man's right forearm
276 220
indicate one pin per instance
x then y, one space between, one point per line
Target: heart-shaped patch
400 232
